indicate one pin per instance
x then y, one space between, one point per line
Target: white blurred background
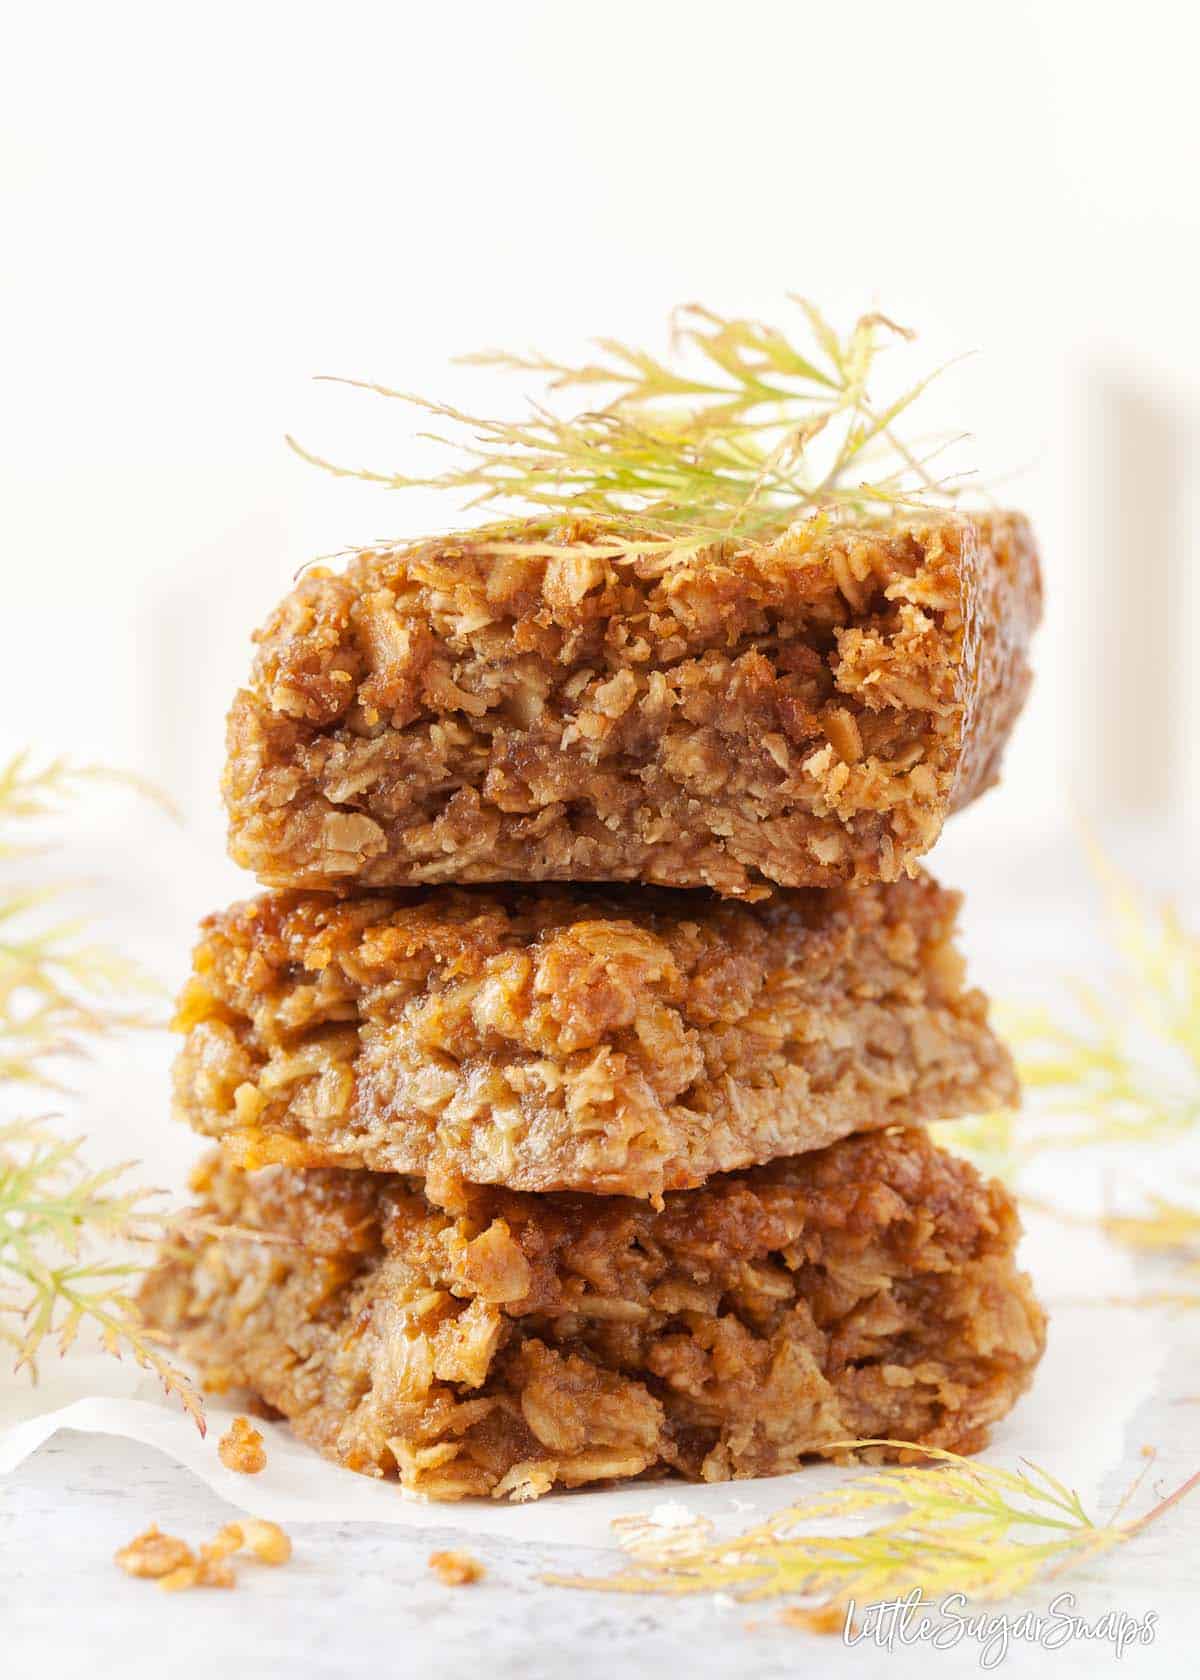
205 206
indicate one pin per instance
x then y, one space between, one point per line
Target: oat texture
804 711
863 1290
617 1041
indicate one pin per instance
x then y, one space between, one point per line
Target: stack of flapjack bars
570 1077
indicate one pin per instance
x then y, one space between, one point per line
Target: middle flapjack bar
617 1041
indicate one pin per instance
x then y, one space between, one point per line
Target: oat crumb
825 1618
456 1569
176 1568
207 1572
265 1540
152 1555
225 1542
241 1448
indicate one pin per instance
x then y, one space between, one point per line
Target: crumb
456 1569
151 1555
207 1572
215 1572
179 1580
176 1568
241 1448
824 1618
227 1541
265 1540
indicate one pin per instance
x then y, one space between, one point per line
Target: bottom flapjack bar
867 1289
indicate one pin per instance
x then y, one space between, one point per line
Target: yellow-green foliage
1119 1065
1115 1065
958 1526
737 430
54 1214
57 987
63 1225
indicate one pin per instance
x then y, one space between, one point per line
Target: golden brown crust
805 712
622 1041
864 1290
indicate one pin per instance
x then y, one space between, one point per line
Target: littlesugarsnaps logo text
894 1623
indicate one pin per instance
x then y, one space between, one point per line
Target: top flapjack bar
805 711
